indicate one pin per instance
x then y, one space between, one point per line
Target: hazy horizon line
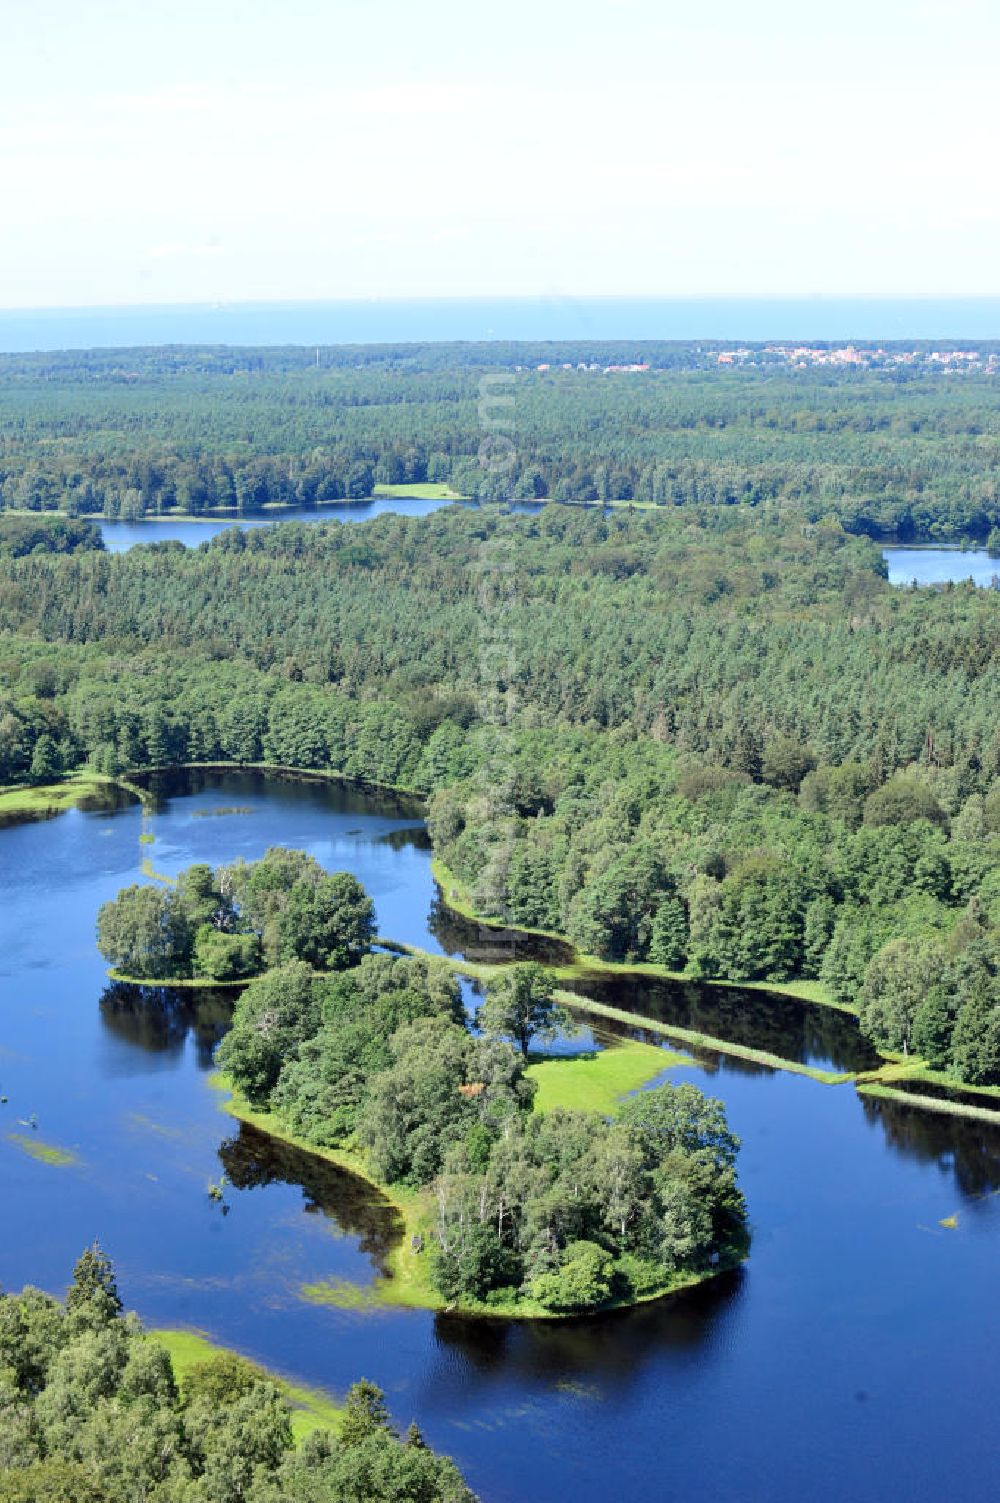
219 304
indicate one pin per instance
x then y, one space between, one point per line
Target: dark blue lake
855 1355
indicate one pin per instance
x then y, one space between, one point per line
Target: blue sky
333 148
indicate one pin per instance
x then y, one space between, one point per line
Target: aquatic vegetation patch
45 1153
138 1121
341 1294
222 811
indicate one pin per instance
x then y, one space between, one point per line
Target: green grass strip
52 798
421 490
702 1040
929 1103
188 983
312 1408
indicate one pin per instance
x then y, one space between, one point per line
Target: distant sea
399 320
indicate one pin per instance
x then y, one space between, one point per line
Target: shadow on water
253 1160
789 1027
489 944
609 1349
105 798
158 1019
770 1021
247 783
966 1150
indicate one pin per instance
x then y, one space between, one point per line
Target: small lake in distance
930 566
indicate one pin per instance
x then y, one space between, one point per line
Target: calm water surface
120 536
929 566
855 1356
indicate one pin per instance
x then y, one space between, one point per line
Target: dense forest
232 923
891 450
92 1411
711 737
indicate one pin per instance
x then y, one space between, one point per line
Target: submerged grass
312 1408
45 1153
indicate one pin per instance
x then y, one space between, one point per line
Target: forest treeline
907 452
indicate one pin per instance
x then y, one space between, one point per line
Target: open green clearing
312 1408
52 798
597 1082
424 489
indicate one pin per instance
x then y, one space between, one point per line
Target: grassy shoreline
312 1408
692 1037
180 983
22 802
428 490
878 1091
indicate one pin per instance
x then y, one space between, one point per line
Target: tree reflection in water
966 1149
158 1019
253 1159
